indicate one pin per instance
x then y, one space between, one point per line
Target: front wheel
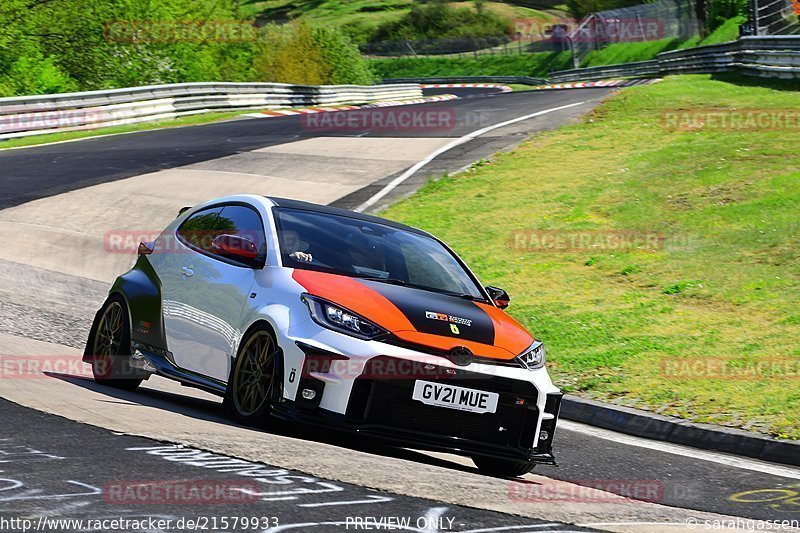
502 467
247 397
110 347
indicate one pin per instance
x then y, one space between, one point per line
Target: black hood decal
438 314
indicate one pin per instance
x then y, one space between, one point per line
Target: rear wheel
111 345
247 397
502 467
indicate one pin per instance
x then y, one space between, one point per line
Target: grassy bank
627 52
663 326
541 64
368 14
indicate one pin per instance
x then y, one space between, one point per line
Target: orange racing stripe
510 337
355 296
508 333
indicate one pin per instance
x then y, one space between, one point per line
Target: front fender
141 289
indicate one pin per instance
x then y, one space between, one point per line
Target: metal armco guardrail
776 56
505 80
639 69
36 115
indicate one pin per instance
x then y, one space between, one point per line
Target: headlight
534 357
339 319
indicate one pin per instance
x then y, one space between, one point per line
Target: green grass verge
728 31
541 64
204 118
723 287
627 52
517 87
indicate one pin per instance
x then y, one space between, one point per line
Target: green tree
300 54
437 19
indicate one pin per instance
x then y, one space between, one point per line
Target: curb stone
678 431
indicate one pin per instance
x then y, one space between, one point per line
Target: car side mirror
500 297
235 247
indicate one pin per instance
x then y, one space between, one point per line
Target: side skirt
162 366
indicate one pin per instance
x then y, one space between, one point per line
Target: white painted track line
461 140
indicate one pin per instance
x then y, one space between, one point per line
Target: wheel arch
140 288
258 322
88 356
261 321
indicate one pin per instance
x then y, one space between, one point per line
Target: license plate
453 397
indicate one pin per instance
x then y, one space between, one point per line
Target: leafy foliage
437 19
720 11
52 46
299 53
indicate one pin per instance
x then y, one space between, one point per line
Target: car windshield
352 247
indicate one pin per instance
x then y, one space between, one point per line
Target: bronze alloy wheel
110 347
252 379
107 339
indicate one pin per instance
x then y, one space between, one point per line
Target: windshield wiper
469 297
396 281
454 294
393 281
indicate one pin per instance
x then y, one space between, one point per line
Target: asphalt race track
49 470
67 212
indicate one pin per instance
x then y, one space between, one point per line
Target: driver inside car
296 247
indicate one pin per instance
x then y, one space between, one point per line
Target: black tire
110 346
250 386
502 467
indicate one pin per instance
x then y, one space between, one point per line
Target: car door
204 291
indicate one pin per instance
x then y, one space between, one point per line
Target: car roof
317 208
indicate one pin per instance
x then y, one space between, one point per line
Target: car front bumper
376 400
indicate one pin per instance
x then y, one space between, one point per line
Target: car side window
244 222
200 229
